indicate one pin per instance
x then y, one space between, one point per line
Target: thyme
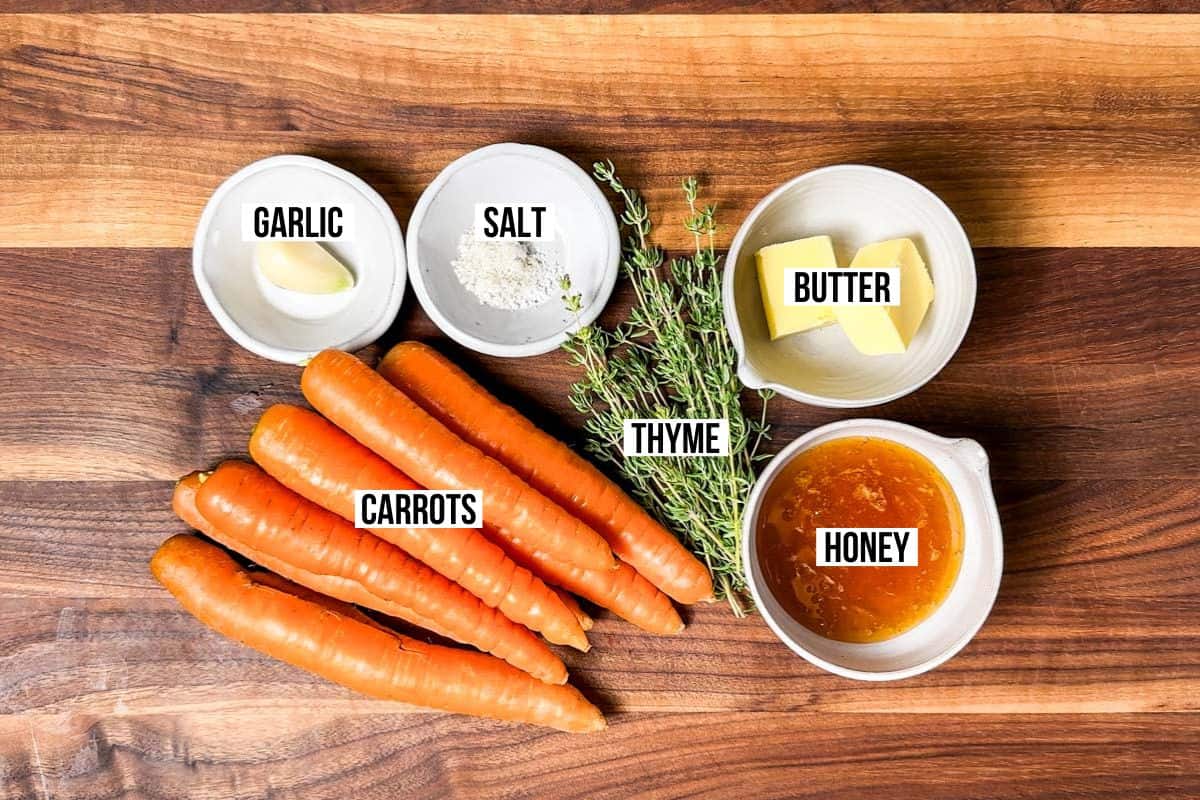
672 358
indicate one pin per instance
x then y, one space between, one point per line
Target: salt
505 274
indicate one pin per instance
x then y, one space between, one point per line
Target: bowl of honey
873 549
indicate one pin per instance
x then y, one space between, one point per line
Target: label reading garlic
286 223
418 508
514 222
676 437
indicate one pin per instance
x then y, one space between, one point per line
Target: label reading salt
418 508
676 437
515 223
842 287
866 547
284 223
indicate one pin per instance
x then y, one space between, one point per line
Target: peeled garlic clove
302 267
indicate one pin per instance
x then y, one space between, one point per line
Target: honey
859 482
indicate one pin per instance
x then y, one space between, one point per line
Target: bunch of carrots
554 527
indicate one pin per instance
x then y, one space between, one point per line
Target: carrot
450 395
183 502
315 459
568 599
622 590
254 511
332 640
548 667
359 401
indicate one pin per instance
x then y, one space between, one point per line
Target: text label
842 287
866 547
676 437
418 508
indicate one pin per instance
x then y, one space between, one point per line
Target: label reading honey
283 223
514 223
418 508
867 547
676 437
842 287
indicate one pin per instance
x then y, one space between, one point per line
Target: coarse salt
505 274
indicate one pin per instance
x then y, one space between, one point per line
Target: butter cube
879 330
814 252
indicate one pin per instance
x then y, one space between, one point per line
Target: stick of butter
879 330
302 267
815 252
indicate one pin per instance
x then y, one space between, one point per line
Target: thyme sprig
672 358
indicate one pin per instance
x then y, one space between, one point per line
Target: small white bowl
276 323
856 205
934 640
587 239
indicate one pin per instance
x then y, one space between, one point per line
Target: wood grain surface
1068 146
602 6
1037 130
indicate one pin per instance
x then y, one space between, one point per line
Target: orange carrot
568 599
313 458
622 590
183 502
466 408
351 590
332 640
359 401
254 511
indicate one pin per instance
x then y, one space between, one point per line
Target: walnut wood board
1068 146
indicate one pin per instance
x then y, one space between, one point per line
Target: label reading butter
676 437
514 223
418 508
842 287
866 547
296 223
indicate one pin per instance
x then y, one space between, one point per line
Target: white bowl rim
748 377
537 346
851 427
239 334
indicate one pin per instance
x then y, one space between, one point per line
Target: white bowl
587 239
951 626
276 323
856 205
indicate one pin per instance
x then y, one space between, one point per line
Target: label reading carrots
676 437
418 508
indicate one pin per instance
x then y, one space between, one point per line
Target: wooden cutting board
1067 144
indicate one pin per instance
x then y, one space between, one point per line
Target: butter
302 267
782 319
879 330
